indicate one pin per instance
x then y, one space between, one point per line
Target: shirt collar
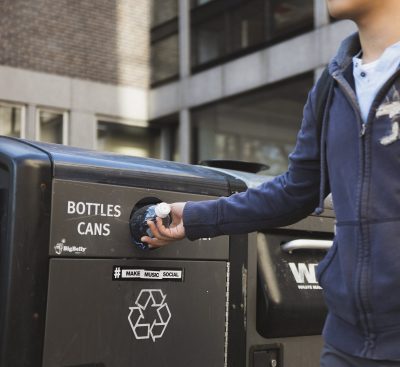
390 56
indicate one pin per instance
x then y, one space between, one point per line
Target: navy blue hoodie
360 164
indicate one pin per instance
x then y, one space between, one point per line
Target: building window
260 126
12 120
164 41
291 15
163 11
210 41
139 141
165 59
226 29
247 25
52 126
169 137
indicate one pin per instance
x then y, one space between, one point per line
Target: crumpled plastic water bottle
138 222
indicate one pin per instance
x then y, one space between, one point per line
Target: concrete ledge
30 87
295 56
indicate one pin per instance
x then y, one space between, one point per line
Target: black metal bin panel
92 220
25 188
289 300
93 320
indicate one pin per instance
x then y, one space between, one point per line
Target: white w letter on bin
301 272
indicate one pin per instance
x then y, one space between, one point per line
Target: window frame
22 106
107 119
224 9
159 33
65 122
170 78
269 88
167 21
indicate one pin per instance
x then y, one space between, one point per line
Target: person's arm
282 201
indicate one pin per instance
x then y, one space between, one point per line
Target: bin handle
304 244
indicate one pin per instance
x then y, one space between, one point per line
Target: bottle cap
162 210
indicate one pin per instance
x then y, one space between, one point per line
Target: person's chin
339 9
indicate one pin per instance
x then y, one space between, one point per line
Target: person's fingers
177 232
154 242
157 229
164 235
173 232
163 232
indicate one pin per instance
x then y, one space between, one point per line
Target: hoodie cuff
200 219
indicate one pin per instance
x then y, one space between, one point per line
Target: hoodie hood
344 57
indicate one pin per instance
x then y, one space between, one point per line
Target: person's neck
377 32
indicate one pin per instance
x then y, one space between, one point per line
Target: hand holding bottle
164 235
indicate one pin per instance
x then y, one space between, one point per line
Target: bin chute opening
141 213
150 200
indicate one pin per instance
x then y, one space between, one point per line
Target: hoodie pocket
326 261
336 274
384 281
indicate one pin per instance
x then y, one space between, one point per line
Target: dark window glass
10 120
164 59
162 11
170 142
164 40
129 140
51 126
289 15
247 25
168 127
260 126
210 41
226 28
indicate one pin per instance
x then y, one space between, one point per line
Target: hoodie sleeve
280 202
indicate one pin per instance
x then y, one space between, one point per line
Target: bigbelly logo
305 275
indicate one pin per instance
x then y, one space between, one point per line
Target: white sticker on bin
134 273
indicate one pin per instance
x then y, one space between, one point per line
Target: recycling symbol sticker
151 315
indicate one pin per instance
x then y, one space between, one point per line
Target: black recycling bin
75 291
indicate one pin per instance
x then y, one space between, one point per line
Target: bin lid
72 163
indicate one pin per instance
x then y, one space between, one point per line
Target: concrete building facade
68 69
187 80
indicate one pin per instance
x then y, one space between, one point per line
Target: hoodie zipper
363 129
351 97
360 287
364 250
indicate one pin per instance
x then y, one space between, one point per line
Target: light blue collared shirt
369 78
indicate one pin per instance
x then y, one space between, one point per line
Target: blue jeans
331 357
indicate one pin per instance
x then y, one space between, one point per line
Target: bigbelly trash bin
74 289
